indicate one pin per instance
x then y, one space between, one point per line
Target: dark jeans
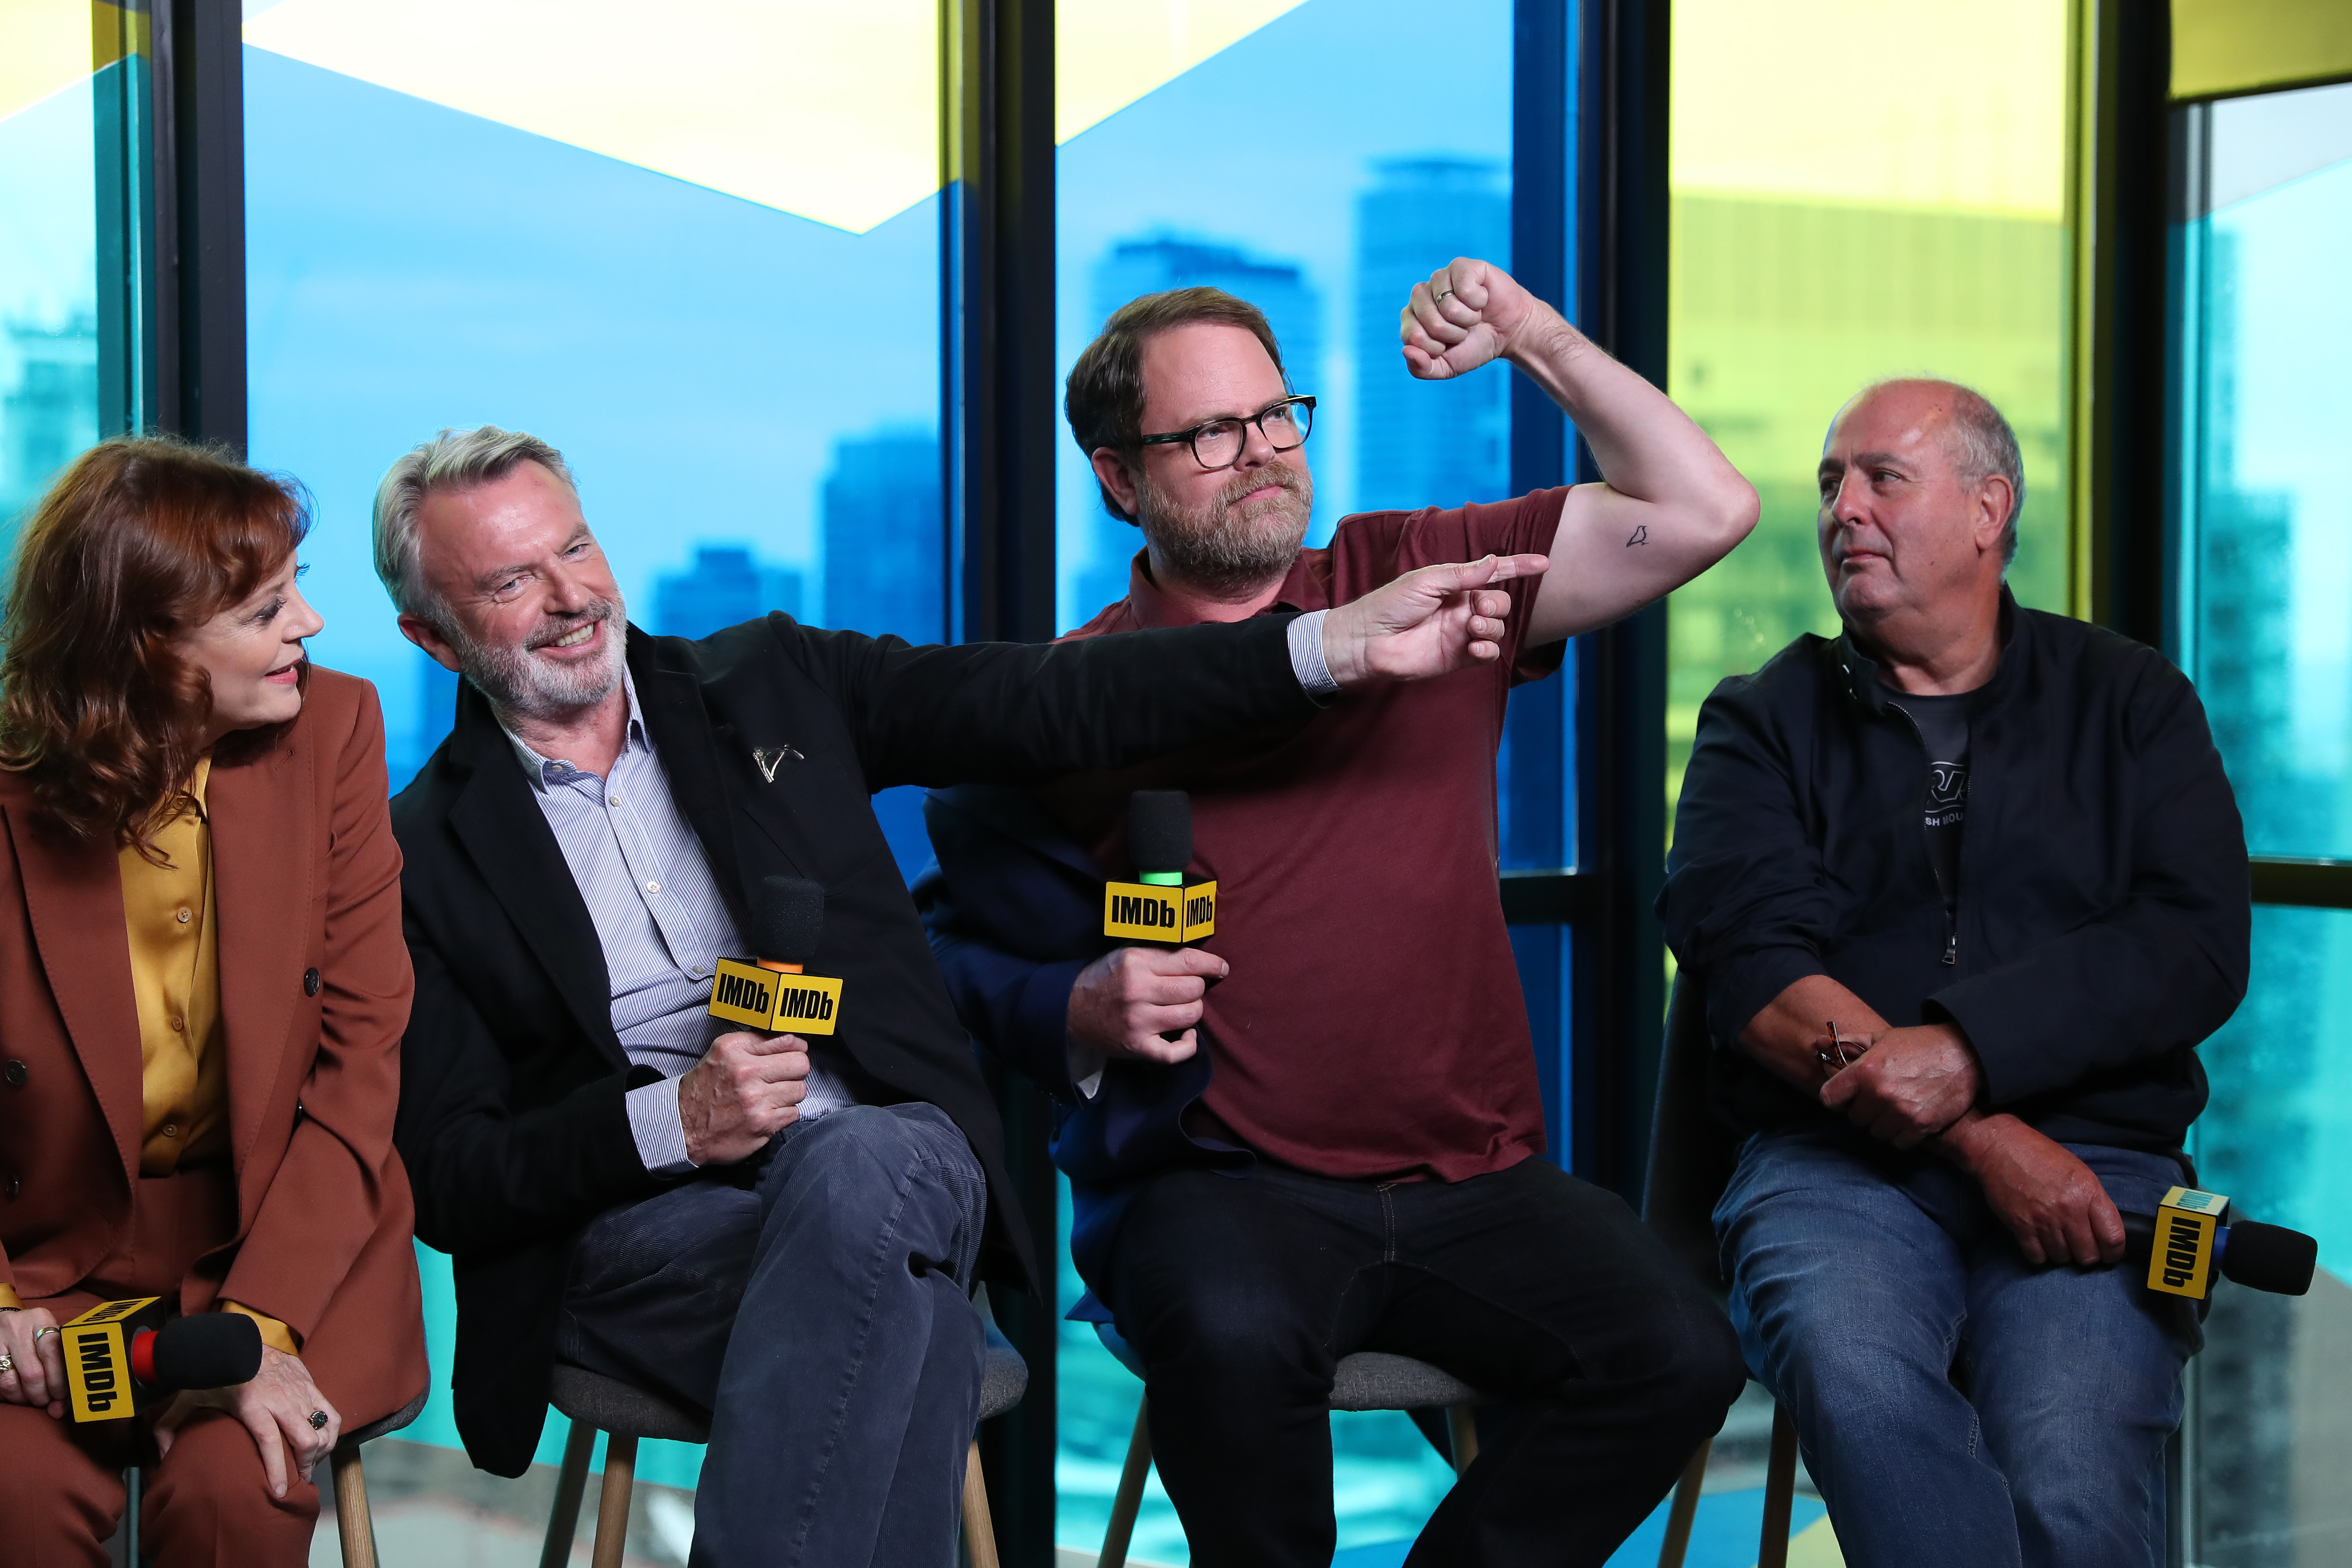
821 1311
1242 1294
1958 1406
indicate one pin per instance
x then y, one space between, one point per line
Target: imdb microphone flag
773 1001
1147 911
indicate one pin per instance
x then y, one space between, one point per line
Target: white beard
522 687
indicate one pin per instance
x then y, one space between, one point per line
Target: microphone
1158 906
770 993
120 1354
2186 1244
2244 1251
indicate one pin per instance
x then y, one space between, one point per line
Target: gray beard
519 686
1213 548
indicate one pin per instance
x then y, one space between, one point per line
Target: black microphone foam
209 1349
1160 829
787 919
2270 1258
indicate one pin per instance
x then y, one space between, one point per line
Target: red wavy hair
140 539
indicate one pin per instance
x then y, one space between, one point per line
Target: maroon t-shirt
1372 1025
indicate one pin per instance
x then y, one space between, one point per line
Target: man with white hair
1992 852
624 1184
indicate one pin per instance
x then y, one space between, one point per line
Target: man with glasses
1318 1133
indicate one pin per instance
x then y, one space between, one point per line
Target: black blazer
511 1116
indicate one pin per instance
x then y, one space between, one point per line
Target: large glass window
74 96
1861 189
1302 157
2263 557
708 271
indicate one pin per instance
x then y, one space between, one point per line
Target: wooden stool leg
1461 1426
1128 1501
571 1483
352 1521
979 1529
1679 1519
613 1501
1779 1492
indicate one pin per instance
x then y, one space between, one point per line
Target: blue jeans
818 1305
1956 1405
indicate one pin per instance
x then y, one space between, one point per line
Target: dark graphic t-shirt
1943 724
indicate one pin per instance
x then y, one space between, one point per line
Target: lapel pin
770 759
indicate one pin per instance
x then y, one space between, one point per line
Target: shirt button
182 916
15 1074
614 798
309 983
652 886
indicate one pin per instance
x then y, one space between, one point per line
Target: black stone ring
317 1421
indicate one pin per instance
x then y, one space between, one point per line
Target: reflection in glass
73 261
2265 469
2263 550
1807 260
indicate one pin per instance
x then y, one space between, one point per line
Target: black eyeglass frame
1192 438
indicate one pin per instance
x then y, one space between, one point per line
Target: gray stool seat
1375 1380
596 1402
610 1404
390 1424
1368 1380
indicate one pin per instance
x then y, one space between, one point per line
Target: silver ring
7 1362
38 1333
317 1421
1441 299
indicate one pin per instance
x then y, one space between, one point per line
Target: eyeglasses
1219 443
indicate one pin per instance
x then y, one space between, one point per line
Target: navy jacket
2104 900
1009 893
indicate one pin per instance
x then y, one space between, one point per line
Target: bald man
1995 849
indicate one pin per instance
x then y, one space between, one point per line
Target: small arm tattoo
1641 535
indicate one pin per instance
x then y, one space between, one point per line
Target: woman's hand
36 1371
275 1407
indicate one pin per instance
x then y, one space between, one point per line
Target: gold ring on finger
1439 297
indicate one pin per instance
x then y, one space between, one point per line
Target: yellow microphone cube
1143 912
775 1002
2180 1261
97 1348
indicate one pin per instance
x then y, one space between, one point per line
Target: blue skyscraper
724 586
1425 443
885 543
1157 262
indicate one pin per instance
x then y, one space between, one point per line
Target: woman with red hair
203 986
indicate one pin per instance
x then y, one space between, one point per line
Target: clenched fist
1131 1001
1467 313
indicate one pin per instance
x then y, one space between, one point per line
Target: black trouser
1242 1293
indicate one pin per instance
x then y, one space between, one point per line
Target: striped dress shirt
660 919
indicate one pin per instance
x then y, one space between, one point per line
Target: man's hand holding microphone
749 1083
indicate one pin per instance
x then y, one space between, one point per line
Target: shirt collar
1306 586
544 771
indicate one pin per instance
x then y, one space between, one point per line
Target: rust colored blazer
315 985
